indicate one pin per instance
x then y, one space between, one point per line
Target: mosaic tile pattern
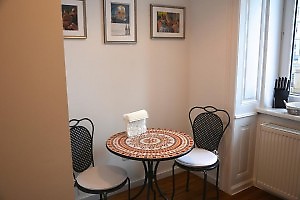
155 144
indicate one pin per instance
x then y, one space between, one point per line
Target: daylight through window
295 69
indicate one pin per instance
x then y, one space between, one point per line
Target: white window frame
287 39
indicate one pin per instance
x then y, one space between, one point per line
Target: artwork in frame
167 21
74 18
120 21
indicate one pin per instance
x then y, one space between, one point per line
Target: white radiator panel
278 160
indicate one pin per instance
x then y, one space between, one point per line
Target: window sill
278 112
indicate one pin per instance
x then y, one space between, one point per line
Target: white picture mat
156 9
81 16
109 35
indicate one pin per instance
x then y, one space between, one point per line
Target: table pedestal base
150 180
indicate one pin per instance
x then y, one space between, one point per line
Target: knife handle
285 83
276 84
288 85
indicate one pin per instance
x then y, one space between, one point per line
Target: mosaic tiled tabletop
155 144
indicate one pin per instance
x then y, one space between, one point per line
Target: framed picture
167 21
74 18
120 21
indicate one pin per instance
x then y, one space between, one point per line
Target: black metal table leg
150 176
145 182
150 180
155 181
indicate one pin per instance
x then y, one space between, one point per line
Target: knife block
279 96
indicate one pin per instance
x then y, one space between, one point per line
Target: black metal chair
208 125
88 178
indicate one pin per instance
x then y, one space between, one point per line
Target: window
295 64
290 49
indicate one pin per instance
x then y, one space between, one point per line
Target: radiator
278 161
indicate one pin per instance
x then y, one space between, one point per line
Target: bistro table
153 146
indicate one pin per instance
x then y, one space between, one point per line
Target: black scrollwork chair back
207 130
81 137
101 179
208 125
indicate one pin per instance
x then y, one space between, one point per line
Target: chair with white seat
88 178
208 125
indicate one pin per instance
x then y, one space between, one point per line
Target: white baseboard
240 186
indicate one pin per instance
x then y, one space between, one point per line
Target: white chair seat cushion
198 158
101 177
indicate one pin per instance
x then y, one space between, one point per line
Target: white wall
106 81
211 41
212 65
165 77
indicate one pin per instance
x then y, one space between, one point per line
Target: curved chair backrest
208 126
82 133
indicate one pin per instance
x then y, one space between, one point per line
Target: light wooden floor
195 191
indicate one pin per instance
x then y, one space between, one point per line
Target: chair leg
187 180
173 176
105 196
128 188
204 185
101 197
217 183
